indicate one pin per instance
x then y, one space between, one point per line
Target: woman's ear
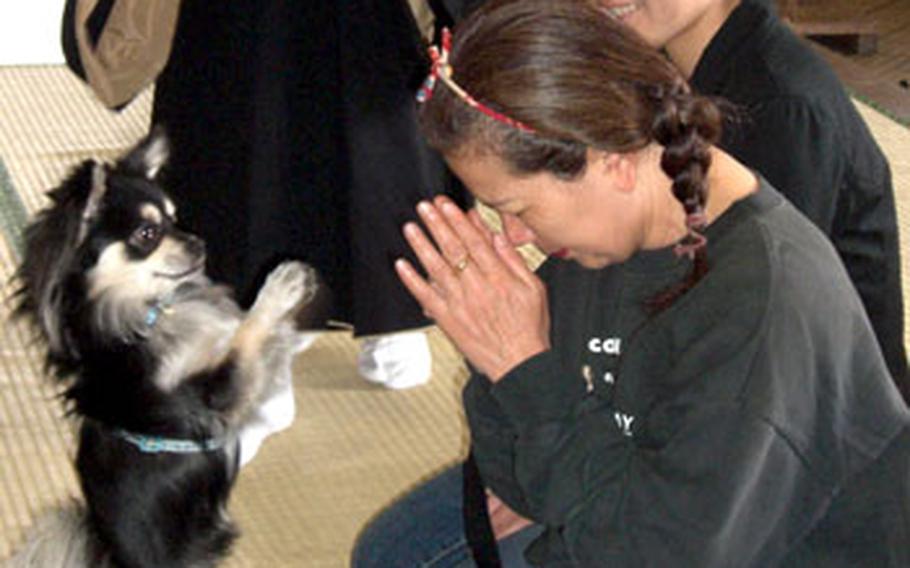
619 169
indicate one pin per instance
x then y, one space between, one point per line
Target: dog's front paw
286 287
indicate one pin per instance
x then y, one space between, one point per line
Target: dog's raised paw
289 284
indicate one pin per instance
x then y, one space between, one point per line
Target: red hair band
442 70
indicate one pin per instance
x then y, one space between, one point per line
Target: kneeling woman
690 378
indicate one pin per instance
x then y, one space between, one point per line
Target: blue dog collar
158 309
159 445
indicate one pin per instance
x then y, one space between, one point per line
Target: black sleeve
545 406
794 148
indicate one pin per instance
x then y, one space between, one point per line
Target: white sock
276 411
397 361
274 414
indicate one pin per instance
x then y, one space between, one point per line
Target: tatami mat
894 139
353 447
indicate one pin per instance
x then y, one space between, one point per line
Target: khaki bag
118 47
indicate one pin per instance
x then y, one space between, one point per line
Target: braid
686 125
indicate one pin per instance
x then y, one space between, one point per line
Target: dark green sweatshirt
738 427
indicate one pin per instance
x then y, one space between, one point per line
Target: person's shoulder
805 272
772 62
793 65
771 245
730 300
781 261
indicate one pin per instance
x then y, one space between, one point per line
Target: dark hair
580 80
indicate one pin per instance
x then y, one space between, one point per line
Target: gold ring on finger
461 263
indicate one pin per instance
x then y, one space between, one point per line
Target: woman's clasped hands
478 288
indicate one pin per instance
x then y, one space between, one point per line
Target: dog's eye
146 235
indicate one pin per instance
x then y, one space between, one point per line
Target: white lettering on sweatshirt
624 421
607 346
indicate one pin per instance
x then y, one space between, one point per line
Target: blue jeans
425 529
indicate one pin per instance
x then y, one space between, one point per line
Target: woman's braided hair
580 80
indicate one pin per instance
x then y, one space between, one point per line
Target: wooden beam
838 23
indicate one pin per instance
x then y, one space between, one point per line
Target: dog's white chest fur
205 332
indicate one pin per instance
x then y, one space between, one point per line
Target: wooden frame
837 22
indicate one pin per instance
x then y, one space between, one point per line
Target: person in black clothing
294 135
690 379
798 127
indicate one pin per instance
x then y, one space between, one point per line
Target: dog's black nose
194 245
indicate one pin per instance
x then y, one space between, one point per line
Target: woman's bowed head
592 149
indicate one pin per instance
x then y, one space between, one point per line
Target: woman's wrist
515 360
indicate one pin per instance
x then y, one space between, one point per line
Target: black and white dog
160 367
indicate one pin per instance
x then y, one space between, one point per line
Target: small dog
161 367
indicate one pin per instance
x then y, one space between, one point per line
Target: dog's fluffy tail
62 538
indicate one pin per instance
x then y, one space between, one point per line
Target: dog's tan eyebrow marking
170 209
151 213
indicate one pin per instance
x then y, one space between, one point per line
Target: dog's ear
93 202
148 156
50 244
